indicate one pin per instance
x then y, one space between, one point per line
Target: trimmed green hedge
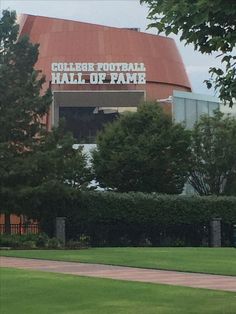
165 209
138 219
110 218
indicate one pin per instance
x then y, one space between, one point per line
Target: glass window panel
179 110
202 108
191 112
212 106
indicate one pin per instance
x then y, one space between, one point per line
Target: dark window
85 122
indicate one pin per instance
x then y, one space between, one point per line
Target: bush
134 218
82 243
42 240
10 241
54 243
24 241
28 245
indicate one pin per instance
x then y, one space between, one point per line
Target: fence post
8 224
61 229
234 236
216 232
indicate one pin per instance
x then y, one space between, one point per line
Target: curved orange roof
71 41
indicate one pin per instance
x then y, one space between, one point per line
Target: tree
143 151
21 108
56 159
30 156
210 26
213 161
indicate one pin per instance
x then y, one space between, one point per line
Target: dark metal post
234 236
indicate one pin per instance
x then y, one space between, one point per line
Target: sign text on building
98 73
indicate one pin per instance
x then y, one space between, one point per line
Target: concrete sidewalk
216 282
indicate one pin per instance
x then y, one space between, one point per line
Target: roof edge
99 25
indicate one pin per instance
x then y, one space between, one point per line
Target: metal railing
20 228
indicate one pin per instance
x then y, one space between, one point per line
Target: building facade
95 72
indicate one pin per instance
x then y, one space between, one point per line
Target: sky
117 13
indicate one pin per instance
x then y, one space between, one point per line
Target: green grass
31 292
205 260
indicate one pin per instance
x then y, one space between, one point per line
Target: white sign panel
98 73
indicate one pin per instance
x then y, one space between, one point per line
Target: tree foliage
30 156
213 163
56 160
142 151
210 25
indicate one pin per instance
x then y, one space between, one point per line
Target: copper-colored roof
71 41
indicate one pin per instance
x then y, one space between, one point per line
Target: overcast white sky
118 13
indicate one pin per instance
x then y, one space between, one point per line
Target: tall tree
143 151
21 107
29 155
213 162
210 25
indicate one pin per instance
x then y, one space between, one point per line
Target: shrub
9 241
24 241
42 240
83 242
128 218
54 243
28 245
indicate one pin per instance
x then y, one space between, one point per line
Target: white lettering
93 78
72 67
65 79
90 67
99 66
101 78
54 67
131 77
72 78
56 78
124 67
141 78
114 77
80 78
121 79
118 73
60 67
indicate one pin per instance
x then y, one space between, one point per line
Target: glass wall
189 107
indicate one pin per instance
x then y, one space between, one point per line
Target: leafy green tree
29 155
21 108
213 162
210 26
56 160
143 151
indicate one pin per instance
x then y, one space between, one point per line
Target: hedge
166 209
110 218
138 219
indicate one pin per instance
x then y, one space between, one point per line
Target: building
95 72
189 107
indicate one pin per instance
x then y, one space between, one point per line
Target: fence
20 228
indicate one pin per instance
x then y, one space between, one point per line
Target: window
85 122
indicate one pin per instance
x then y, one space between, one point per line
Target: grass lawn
206 260
47 293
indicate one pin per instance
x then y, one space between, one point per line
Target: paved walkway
217 282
